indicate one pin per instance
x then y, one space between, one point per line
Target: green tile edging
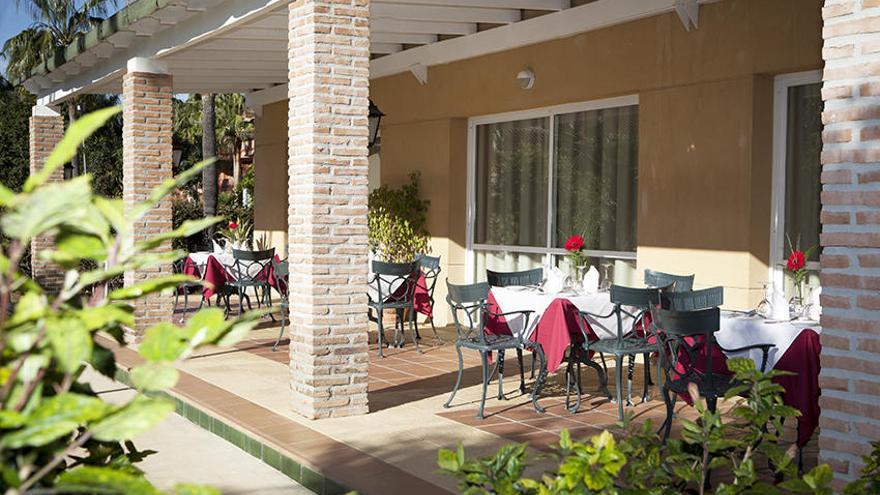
286 465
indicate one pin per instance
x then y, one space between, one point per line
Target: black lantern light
375 117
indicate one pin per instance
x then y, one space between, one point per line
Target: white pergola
242 45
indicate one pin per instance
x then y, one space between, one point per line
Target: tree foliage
14 134
56 434
397 218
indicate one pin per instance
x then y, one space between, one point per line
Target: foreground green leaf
140 415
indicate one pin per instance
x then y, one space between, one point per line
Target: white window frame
544 112
781 85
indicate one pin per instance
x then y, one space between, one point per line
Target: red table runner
216 274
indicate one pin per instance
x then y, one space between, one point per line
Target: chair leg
522 372
379 322
666 427
415 319
501 374
485 360
532 376
458 378
629 380
645 396
542 375
281 333
618 374
398 328
414 329
569 381
604 365
436 335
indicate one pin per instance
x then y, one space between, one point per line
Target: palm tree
56 24
234 128
209 150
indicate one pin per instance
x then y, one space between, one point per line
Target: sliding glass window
550 174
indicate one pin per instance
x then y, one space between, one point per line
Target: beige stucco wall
705 102
270 187
705 111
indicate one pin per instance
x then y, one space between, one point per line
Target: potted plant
396 221
237 234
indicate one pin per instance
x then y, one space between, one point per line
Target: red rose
796 260
574 243
233 225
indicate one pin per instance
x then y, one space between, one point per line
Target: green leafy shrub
397 220
640 462
56 434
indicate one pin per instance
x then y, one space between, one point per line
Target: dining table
554 325
215 269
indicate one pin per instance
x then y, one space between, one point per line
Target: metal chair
185 287
250 270
394 285
685 336
470 300
678 283
629 341
281 271
430 266
693 300
579 353
534 276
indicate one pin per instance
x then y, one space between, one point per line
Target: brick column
328 64
146 163
850 377
46 131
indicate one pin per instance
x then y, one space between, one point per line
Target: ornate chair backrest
635 303
679 283
534 276
430 266
394 279
281 271
694 300
468 304
688 339
251 266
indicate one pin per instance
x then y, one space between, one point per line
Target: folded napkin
590 284
779 307
556 280
218 249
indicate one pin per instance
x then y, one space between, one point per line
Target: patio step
316 461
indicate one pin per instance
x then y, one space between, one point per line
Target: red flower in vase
796 260
574 243
233 225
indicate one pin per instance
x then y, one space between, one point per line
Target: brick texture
146 163
328 67
850 376
45 132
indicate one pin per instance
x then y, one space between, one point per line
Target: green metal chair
430 266
678 283
281 272
469 310
394 286
534 276
634 303
186 287
250 270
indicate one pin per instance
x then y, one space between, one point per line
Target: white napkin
779 306
556 280
590 284
218 249
815 309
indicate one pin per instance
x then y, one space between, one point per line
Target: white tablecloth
740 331
736 330
529 298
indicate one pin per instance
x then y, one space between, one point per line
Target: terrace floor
393 449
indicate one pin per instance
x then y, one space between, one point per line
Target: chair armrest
596 315
524 312
765 352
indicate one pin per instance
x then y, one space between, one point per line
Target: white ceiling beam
689 13
443 13
225 44
121 39
235 65
404 38
384 48
230 56
257 33
213 22
274 21
496 4
398 26
146 26
588 17
267 96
